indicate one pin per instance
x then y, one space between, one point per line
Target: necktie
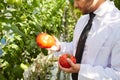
81 43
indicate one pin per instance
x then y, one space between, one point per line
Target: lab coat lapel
96 41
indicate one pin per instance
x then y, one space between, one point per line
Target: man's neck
96 4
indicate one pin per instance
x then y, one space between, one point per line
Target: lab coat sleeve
100 73
66 47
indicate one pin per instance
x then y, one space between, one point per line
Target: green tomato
23 17
18 2
23 66
10 1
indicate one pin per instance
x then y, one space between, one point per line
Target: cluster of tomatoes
45 40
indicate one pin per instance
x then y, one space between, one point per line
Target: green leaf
2 77
17 70
2 6
71 2
44 51
15 30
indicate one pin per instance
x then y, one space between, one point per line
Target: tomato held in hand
45 40
63 60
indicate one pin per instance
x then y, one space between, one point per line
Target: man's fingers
70 62
64 69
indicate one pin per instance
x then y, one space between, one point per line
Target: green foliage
117 3
21 21
41 68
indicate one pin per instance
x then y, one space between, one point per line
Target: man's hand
73 69
55 47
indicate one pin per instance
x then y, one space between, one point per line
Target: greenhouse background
20 22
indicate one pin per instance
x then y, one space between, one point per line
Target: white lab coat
101 55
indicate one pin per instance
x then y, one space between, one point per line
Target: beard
88 7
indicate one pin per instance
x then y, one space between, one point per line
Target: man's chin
83 12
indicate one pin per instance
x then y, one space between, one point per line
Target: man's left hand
73 69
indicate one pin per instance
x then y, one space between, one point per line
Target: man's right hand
55 47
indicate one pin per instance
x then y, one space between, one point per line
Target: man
100 58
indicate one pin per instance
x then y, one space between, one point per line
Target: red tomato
45 40
63 60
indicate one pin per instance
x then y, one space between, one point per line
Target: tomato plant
20 22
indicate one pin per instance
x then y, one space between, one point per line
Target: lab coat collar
103 8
